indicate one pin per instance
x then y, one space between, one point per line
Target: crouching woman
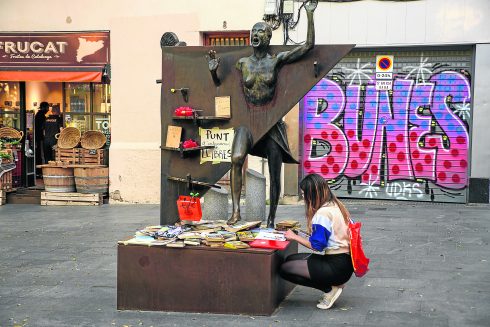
330 267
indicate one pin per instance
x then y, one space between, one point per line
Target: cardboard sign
221 139
222 106
173 136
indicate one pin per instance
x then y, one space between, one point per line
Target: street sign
384 72
384 64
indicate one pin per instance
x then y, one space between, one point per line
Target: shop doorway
69 72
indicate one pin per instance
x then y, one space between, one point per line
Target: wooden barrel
58 179
92 180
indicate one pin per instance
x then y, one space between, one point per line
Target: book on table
242 226
269 244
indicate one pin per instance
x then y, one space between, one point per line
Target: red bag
359 260
189 208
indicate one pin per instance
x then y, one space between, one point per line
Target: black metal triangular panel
187 67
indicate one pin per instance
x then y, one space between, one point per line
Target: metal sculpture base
201 279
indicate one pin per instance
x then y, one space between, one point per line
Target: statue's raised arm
298 52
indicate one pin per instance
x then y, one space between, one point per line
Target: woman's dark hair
317 193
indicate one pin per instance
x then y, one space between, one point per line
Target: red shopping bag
359 259
189 208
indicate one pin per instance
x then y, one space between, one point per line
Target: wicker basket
68 138
93 140
11 133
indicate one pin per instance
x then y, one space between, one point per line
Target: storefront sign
221 139
57 49
103 124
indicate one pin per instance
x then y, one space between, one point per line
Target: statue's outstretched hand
311 5
213 62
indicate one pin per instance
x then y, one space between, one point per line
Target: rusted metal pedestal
201 279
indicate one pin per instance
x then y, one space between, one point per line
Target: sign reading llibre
384 72
221 139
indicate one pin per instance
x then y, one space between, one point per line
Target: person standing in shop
40 120
52 126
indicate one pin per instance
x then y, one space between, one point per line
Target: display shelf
200 118
197 148
188 150
190 181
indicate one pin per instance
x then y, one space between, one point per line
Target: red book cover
269 244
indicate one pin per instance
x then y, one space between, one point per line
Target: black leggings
317 271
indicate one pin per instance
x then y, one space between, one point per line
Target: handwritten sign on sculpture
221 139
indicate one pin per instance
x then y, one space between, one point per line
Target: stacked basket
93 140
68 138
88 175
90 152
10 135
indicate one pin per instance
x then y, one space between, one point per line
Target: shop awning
51 75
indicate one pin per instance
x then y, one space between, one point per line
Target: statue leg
274 158
242 143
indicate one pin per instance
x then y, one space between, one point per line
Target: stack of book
214 240
228 236
246 236
192 241
235 245
176 244
242 226
208 227
287 224
190 238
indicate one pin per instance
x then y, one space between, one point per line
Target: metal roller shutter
408 143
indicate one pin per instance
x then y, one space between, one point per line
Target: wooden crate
6 182
79 156
70 199
69 156
91 157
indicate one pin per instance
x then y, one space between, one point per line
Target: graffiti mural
408 143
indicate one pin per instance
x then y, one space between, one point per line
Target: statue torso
259 78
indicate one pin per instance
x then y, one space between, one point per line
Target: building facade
438 102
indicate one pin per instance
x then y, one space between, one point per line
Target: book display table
201 279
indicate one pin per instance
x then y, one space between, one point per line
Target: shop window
88 107
10 104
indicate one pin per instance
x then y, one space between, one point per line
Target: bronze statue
259 78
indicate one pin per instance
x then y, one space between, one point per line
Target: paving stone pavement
430 266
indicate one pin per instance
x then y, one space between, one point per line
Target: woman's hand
290 235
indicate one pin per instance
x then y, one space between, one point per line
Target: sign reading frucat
58 49
384 72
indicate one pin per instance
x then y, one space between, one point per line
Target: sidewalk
430 266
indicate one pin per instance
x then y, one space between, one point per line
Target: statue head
261 34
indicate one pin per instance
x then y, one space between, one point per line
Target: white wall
136 27
383 23
480 151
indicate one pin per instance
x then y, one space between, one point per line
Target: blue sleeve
321 231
